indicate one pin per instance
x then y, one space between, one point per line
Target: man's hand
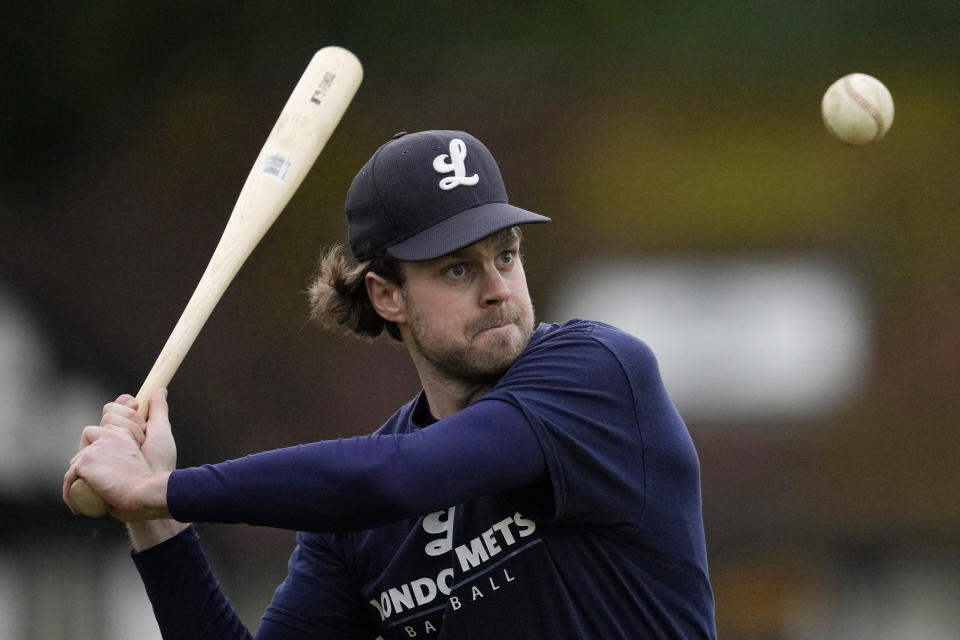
127 461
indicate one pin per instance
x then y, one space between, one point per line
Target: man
541 485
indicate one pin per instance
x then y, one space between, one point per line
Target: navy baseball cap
423 195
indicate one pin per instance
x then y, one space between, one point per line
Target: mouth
496 328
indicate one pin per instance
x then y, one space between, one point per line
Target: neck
447 395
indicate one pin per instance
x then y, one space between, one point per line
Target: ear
386 298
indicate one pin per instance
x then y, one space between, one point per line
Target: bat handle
81 495
87 501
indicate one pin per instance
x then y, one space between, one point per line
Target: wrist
152 496
152 523
150 533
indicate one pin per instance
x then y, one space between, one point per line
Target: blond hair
338 294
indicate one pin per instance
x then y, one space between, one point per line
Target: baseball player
541 485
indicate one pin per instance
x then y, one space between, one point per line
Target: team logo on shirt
439 522
511 533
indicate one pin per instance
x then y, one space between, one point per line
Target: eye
507 257
456 271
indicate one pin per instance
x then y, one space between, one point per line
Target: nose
495 288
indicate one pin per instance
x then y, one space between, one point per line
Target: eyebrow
509 235
502 239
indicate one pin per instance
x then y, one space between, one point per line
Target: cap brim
461 230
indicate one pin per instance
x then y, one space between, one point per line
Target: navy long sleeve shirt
563 504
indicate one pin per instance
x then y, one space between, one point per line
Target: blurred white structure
905 598
39 406
52 586
737 339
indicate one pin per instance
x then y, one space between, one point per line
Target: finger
120 409
159 409
124 415
68 479
137 428
129 401
92 434
88 435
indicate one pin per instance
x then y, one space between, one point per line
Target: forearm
359 483
184 593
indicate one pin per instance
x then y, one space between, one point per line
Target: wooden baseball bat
300 133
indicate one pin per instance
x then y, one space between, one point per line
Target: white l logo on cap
458 151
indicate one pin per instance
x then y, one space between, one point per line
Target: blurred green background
672 130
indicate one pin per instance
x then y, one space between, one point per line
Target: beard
479 358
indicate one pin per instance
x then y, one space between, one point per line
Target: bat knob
87 501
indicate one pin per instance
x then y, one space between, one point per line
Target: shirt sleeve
581 395
186 598
367 481
314 601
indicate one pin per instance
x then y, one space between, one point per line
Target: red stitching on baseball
864 104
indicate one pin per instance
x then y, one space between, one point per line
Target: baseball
857 109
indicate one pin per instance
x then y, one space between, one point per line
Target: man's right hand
126 460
